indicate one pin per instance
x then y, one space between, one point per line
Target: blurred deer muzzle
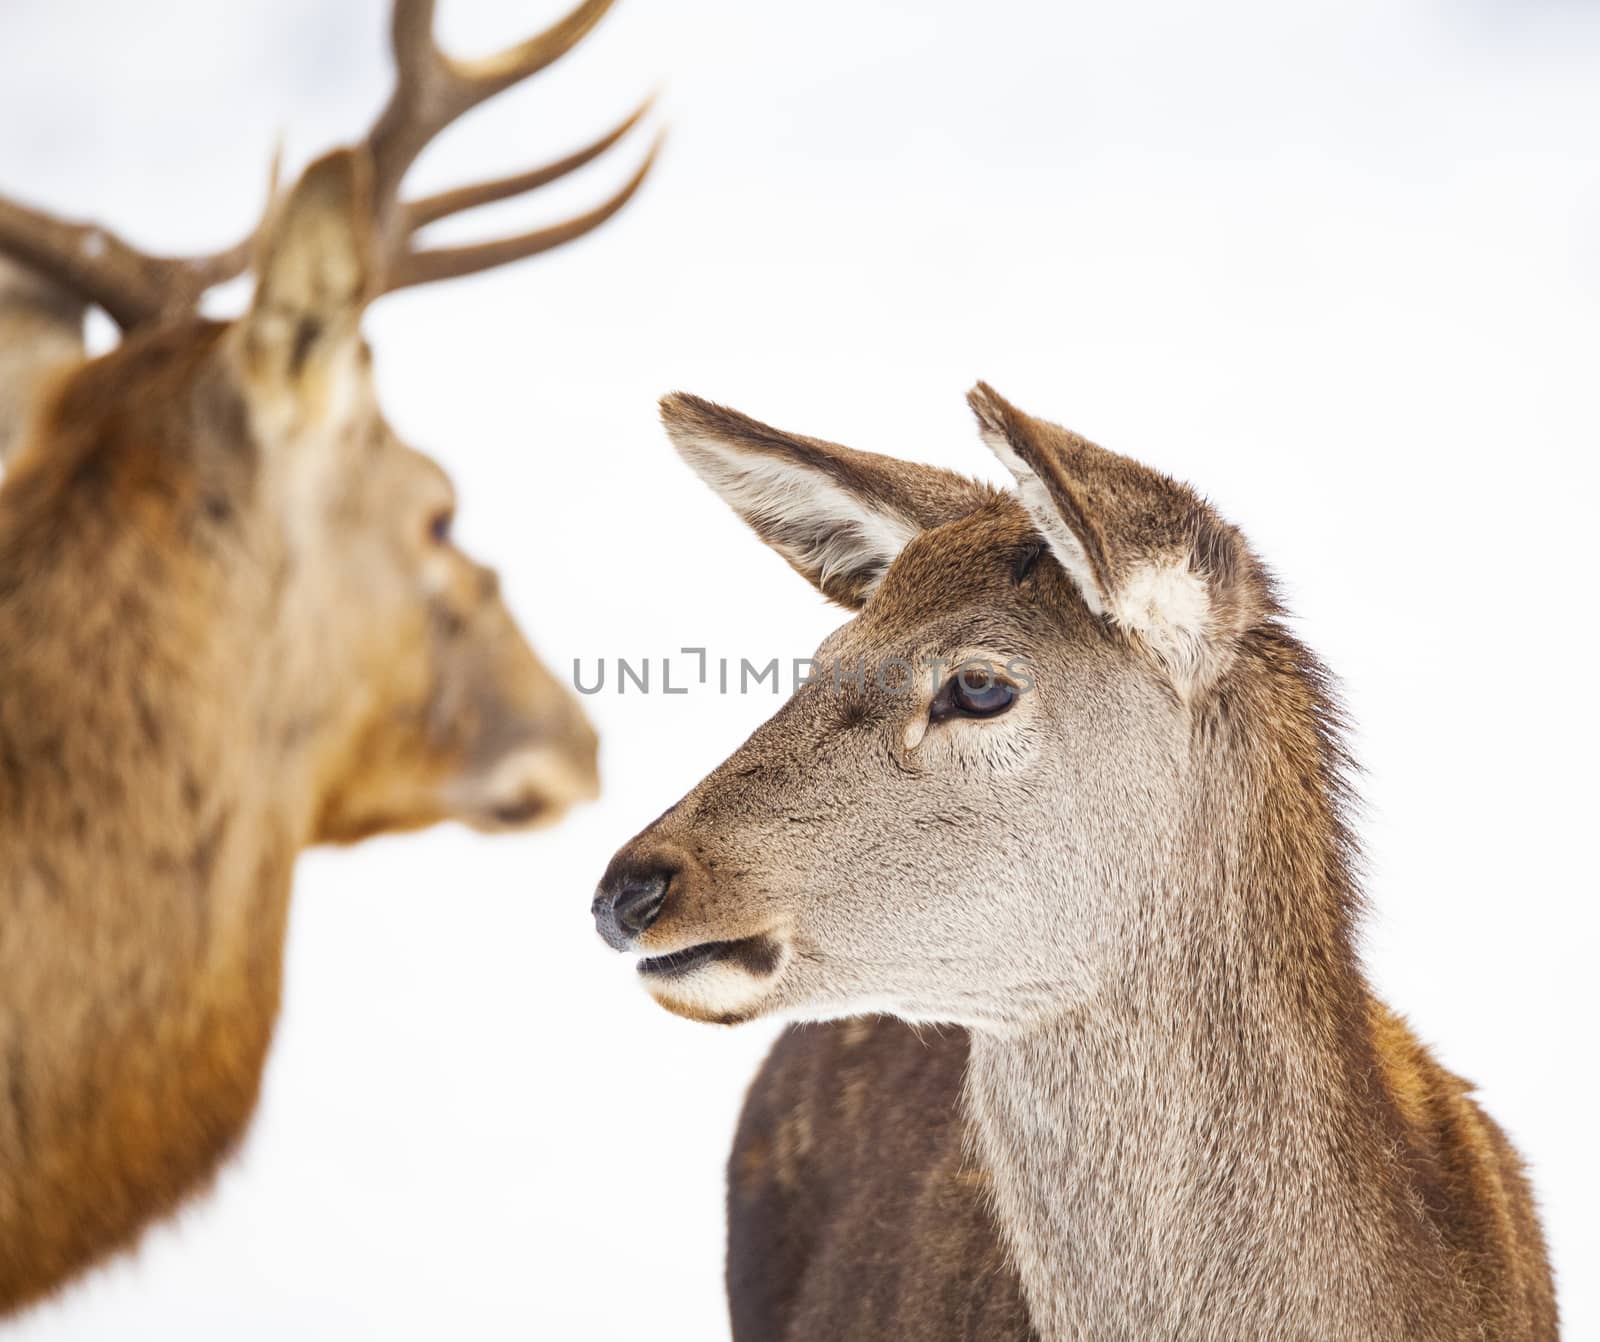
535 782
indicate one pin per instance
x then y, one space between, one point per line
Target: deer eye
1027 561
973 692
439 526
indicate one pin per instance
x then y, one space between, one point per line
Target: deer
234 624
1051 860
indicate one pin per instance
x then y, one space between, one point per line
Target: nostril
639 901
627 905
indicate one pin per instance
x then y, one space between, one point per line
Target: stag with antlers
233 624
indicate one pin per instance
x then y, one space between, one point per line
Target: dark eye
974 692
1027 561
439 526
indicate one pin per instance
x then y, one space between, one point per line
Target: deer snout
623 910
705 952
635 889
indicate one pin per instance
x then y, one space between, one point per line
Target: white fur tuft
1169 607
1166 604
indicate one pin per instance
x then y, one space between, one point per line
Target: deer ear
315 270
1143 550
838 516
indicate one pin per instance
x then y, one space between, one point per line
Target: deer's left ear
315 273
1143 550
838 516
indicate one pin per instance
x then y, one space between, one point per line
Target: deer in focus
233 624
1078 791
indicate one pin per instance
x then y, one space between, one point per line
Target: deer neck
149 768
149 820
1201 1150
1138 1160
151 790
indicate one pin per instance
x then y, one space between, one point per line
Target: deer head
963 816
253 460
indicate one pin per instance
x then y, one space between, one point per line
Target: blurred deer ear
1143 550
838 516
315 269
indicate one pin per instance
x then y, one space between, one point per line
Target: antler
133 287
432 90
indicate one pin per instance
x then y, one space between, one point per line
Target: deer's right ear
315 271
838 516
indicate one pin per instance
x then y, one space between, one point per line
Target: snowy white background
1337 263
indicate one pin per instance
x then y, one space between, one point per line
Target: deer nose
627 903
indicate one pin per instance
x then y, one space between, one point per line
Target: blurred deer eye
973 692
439 526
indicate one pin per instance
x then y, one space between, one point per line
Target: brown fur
1182 1107
878 1224
43 338
881 1226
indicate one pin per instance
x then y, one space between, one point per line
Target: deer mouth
758 956
517 813
521 813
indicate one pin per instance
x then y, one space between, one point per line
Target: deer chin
532 789
718 982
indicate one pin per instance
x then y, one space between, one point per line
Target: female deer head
972 845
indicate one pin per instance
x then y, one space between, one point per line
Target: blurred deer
1075 788
233 623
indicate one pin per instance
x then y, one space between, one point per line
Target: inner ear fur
838 516
1145 551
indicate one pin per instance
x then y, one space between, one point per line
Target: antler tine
490 74
443 263
205 272
430 209
83 258
433 89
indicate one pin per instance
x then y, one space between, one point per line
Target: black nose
628 903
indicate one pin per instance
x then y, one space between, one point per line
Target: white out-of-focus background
1337 263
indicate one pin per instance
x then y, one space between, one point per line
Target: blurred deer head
394 659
